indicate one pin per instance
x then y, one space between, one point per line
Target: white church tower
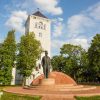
40 25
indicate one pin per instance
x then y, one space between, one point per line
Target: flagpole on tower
38 9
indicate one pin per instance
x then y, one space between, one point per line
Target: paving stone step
57 88
78 89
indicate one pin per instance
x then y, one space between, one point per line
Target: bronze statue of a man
46 63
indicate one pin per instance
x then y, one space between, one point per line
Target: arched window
41 25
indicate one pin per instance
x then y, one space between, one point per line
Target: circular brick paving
57 92
65 88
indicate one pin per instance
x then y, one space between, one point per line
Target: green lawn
1 88
10 96
88 98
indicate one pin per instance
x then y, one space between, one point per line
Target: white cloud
94 11
80 41
80 28
78 24
47 6
17 21
57 43
60 19
84 22
50 6
83 42
58 27
1 40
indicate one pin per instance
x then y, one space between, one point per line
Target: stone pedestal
48 81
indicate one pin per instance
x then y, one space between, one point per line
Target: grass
1 88
10 96
4 86
88 98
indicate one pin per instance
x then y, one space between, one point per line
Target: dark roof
38 13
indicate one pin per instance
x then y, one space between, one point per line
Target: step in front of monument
78 89
63 88
54 86
68 86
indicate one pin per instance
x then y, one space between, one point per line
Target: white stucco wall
45 40
46 36
13 76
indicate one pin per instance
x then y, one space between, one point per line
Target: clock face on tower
40 25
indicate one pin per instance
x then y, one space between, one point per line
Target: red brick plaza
65 88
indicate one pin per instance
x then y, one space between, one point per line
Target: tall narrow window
44 27
35 25
40 34
41 25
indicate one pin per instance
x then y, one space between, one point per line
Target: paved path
52 93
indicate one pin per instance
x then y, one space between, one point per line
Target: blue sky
73 21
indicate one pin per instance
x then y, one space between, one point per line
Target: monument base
48 81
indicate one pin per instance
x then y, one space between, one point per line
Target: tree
7 58
0 54
75 60
58 63
1 73
94 58
29 52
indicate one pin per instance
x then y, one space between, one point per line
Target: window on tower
40 34
36 25
40 25
44 26
34 17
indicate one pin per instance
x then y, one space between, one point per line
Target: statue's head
46 53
